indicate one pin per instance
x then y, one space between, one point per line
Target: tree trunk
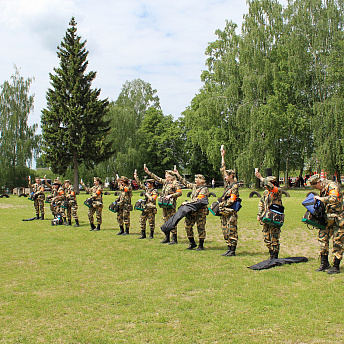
76 172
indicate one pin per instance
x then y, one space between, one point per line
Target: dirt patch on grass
5 206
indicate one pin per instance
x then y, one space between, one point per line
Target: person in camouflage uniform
199 191
229 217
124 203
150 208
54 187
38 197
332 197
170 189
272 195
72 205
97 202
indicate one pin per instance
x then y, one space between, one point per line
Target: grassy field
61 284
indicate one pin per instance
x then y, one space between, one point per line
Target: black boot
192 244
324 264
174 239
37 217
230 252
167 239
271 254
69 222
143 234
42 217
65 222
275 254
98 228
335 269
76 223
151 234
121 230
126 230
93 227
200 245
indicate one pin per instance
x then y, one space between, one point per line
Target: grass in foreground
67 285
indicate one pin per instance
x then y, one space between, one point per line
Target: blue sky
161 42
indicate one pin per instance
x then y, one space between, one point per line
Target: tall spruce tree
74 127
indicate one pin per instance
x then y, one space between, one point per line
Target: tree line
272 94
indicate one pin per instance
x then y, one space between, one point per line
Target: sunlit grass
69 285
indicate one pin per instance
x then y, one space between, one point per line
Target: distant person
38 197
229 217
271 195
170 190
96 202
332 197
124 203
71 203
213 184
199 191
149 211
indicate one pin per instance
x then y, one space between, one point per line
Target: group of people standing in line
330 195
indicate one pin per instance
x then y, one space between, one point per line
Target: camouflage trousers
271 236
334 229
54 209
97 208
166 214
229 225
123 216
150 217
200 218
39 205
72 211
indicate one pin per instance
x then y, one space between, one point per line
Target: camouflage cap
200 176
271 179
124 179
313 179
229 172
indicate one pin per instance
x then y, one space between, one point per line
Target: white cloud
159 41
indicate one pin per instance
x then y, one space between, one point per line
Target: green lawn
61 284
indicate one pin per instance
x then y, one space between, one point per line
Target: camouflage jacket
151 195
97 192
70 194
126 194
332 197
231 191
38 190
198 192
271 196
168 188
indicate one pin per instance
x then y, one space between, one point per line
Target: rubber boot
192 244
93 227
335 269
324 263
76 223
143 234
121 230
151 236
174 239
98 228
200 245
167 239
126 230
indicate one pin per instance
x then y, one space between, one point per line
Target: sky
161 42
